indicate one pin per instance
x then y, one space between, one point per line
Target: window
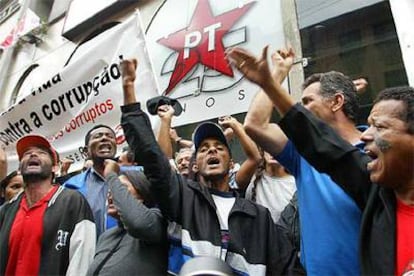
357 43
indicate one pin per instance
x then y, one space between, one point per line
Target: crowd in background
316 194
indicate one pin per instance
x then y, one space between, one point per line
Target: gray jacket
138 246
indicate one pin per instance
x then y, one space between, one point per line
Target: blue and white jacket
255 246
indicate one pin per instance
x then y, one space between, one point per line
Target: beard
214 177
44 174
101 160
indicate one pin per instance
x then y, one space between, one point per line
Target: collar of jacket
389 200
52 200
241 205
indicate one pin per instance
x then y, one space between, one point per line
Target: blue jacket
78 182
102 220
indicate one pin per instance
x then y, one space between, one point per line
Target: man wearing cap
47 229
211 221
100 144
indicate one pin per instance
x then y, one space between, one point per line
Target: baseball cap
209 130
154 103
34 140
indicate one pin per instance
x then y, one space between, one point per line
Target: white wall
403 11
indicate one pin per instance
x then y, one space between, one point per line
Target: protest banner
187 41
86 92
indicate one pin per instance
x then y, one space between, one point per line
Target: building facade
362 38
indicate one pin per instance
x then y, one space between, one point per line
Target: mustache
383 145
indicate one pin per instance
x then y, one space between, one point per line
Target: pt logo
61 240
202 42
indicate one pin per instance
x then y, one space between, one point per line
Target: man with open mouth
100 144
46 229
381 181
210 220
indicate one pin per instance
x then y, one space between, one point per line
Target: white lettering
212 35
191 40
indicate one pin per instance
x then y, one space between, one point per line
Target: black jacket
256 245
289 221
67 212
347 165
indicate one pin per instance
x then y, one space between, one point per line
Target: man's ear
195 168
338 102
85 151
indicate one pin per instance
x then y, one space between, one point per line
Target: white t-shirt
273 193
224 202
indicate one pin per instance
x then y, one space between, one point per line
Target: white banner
187 41
85 93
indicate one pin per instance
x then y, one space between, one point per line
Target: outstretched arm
248 167
128 68
141 139
165 112
322 147
257 122
140 221
257 70
181 143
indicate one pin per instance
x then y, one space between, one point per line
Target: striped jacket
69 234
256 246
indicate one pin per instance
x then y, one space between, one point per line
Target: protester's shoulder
288 150
64 178
110 234
76 181
14 201
71 194
254 207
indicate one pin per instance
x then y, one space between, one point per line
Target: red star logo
201 42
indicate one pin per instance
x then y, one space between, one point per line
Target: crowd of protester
315 195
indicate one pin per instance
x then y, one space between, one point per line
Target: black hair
6 180
88 134
141 183
404 94
335 82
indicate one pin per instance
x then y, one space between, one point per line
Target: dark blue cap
209 130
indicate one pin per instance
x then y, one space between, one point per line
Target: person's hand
174 135
165 111
110 166
361 85
254 69
65 165
87 164
128 68
282 61
227 122
228 133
